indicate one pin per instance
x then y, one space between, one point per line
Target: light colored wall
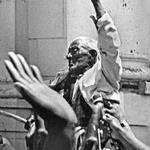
138 114
47 34
7 33
21 28
78 19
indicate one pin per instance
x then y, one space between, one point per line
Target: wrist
123 123
126 133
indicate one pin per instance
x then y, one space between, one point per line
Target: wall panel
49 55
46 18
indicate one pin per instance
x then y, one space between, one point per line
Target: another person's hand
119 133
116 111
121 129
29 82
116 118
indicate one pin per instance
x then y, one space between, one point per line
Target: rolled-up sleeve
108 45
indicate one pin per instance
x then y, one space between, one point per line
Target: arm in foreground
30 84
122 130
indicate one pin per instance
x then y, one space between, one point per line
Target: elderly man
96 66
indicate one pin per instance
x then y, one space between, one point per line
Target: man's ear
93 53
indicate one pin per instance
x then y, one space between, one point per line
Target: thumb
19 86
23 89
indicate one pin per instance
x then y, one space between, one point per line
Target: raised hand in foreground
29 82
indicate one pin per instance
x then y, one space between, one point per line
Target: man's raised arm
108 45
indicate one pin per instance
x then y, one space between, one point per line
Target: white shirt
104 76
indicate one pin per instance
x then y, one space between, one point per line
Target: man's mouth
71 65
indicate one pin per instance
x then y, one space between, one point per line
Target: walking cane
16 117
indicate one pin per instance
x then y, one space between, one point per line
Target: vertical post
21 28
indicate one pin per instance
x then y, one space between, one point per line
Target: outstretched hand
29 83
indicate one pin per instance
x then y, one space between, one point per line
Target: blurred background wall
42 31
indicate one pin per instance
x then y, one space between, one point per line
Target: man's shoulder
60 76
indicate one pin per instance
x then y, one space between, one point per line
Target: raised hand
98 8
29 82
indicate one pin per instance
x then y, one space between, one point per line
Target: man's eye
73 50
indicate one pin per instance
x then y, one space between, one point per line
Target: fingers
26 67
108 117
36 73
17 64
109 111
13 72
31 131
41 125
111 108
116 111
6 62
113 122
19 69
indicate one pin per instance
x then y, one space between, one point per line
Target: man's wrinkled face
78 60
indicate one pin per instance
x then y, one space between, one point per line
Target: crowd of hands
29 83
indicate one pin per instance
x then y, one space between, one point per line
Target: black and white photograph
74 74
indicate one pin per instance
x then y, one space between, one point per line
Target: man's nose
68 56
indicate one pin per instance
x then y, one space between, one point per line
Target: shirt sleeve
108 45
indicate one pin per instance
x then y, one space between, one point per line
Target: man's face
78 60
